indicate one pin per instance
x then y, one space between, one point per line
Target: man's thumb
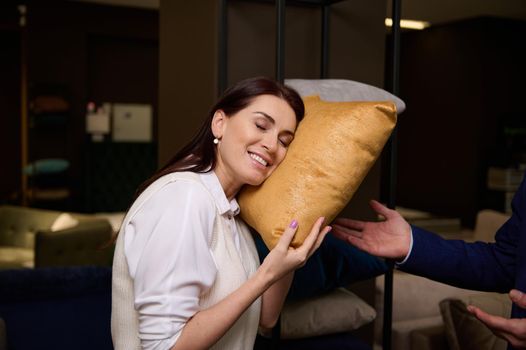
518 298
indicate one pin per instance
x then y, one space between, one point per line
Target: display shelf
47 169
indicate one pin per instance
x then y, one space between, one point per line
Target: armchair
40 238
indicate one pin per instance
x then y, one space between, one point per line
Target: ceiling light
408 24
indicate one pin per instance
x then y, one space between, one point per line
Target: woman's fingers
288 235
313 235
311 242
322 235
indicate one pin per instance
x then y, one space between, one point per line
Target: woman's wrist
264 278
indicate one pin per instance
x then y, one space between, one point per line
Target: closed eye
260 126
285 142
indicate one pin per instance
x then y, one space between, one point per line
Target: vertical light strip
24 152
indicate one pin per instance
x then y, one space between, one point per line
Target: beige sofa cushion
335 146
416 297
334 312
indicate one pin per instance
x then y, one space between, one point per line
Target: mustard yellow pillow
335 146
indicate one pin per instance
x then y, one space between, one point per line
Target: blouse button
229 216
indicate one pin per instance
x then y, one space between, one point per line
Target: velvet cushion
335 146
464 331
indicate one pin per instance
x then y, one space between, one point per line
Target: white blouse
170 260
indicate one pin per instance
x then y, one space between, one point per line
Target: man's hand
513 330
390 238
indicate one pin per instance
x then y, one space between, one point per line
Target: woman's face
253 142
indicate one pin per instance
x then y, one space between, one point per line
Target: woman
186 272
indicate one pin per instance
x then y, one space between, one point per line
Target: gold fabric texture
334 147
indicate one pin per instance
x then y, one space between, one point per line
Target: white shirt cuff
408 254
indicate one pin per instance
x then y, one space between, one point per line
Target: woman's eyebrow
266 116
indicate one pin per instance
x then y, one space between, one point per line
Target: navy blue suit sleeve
479 265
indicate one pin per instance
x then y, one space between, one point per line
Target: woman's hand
388 239
283 258
207 326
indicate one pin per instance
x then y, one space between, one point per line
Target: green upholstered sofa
32 237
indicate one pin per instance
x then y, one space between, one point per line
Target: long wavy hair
199 155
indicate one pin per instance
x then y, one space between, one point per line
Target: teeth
258 159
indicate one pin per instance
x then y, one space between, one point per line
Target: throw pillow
337 311
343 90
63 222
335 146
46 166
464 331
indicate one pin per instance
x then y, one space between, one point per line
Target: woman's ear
218 123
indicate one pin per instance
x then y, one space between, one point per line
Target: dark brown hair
199 155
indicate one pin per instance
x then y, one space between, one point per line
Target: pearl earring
216 141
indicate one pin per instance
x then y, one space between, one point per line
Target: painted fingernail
293 224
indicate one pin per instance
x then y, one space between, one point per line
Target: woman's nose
270 142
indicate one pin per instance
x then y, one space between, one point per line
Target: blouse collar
211 182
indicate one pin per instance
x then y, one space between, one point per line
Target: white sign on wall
132 122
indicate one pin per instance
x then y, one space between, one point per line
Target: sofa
70 308
32 237
422 308
55 308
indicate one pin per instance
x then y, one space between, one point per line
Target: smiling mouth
258 159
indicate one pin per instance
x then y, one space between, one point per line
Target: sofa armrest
84 244
402 330
430 338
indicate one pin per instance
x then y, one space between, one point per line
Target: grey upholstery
343 90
